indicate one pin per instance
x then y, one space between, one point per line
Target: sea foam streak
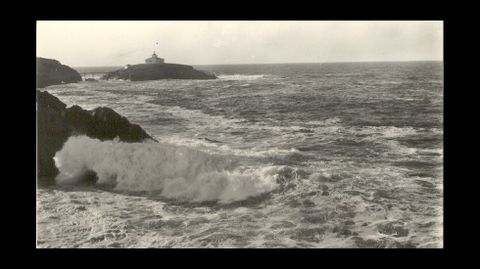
176 172
240 77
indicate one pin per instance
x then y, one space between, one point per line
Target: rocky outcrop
56 122
141 72
52 72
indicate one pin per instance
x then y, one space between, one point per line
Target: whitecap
240 77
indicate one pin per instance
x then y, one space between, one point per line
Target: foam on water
204 122
240 77
197 116
225 149
176 172
303 156
327 122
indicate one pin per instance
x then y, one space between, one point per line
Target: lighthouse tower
154 59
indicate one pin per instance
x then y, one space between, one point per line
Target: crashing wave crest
176 172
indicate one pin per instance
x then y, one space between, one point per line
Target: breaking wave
173 171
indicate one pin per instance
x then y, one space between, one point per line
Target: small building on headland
155 68
154 59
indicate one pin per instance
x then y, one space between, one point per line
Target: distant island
155 68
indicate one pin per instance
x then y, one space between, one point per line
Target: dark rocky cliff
56 123
158 71
52 72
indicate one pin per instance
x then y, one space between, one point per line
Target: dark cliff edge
52 72
56 123
141 72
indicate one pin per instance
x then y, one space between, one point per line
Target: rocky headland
52 72
56 123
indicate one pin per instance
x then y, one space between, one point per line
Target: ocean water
267 156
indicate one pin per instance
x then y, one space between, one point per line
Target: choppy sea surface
290 155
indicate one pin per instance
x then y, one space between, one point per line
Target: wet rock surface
56 123
52 72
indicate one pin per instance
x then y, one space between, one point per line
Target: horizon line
390 61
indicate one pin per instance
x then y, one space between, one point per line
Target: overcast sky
101 43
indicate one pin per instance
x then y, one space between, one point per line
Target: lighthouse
154 59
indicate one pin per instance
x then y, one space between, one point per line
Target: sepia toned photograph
239 134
